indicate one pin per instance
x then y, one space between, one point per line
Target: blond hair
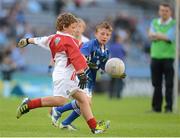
105 25
80 20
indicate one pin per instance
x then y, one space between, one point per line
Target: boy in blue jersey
97 54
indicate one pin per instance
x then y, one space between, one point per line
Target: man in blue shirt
117 50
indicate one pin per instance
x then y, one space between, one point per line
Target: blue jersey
94 54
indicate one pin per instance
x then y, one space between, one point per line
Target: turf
128 116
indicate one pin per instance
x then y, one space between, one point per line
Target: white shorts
65 88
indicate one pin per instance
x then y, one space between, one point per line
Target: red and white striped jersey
66 54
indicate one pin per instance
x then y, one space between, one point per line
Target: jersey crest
57 40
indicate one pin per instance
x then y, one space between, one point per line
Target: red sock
35 103
92 123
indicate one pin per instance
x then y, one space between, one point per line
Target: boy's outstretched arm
24 42
39 41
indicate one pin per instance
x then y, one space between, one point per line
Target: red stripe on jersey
73 76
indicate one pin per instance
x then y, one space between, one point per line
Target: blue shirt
94 54
117 50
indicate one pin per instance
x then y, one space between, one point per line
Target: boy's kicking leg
52 101
28 104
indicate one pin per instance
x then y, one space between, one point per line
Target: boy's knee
84 101
81 97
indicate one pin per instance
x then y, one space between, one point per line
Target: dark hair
166 5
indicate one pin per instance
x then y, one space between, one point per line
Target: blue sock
67 107
64 108
71 118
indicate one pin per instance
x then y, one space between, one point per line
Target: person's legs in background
156 77
169 76
112 88
120 86
116 87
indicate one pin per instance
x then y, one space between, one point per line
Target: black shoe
168 111
23 108
158 110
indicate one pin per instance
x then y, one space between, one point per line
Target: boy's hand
105 59
22 43
123 76
82 80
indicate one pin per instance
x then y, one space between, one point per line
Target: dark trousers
116 87
162 69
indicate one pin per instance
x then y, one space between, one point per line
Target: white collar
66 34
166 22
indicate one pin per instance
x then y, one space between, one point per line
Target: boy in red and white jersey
69 76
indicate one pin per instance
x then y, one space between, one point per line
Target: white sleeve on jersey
43 42
84 39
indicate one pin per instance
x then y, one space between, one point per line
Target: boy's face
71 29
103 35
79 30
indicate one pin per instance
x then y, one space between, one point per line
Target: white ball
115 67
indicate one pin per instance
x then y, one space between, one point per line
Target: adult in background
117 50
162 35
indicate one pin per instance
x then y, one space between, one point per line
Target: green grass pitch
128 116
